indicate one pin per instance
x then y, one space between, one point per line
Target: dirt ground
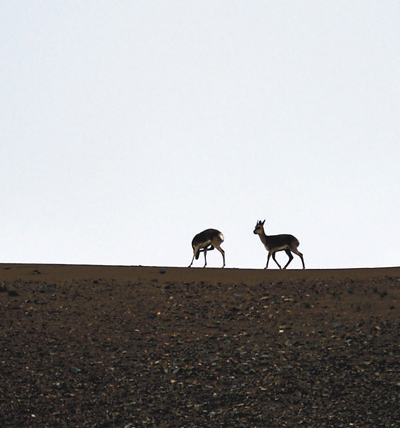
130 347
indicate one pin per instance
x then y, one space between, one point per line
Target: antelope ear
263 222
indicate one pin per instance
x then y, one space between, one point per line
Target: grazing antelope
206 241
276 243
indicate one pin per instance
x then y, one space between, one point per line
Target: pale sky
129 126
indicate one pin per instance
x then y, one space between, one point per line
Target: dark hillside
99 346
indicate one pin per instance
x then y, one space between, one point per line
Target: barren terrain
99 346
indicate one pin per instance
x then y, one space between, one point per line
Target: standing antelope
206 241
276 243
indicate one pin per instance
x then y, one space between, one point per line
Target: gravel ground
168 347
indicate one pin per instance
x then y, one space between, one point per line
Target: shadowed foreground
98 346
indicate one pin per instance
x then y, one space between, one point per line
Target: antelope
206 241
276 243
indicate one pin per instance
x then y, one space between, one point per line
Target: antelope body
206 241
274 243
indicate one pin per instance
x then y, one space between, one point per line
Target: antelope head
259 227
